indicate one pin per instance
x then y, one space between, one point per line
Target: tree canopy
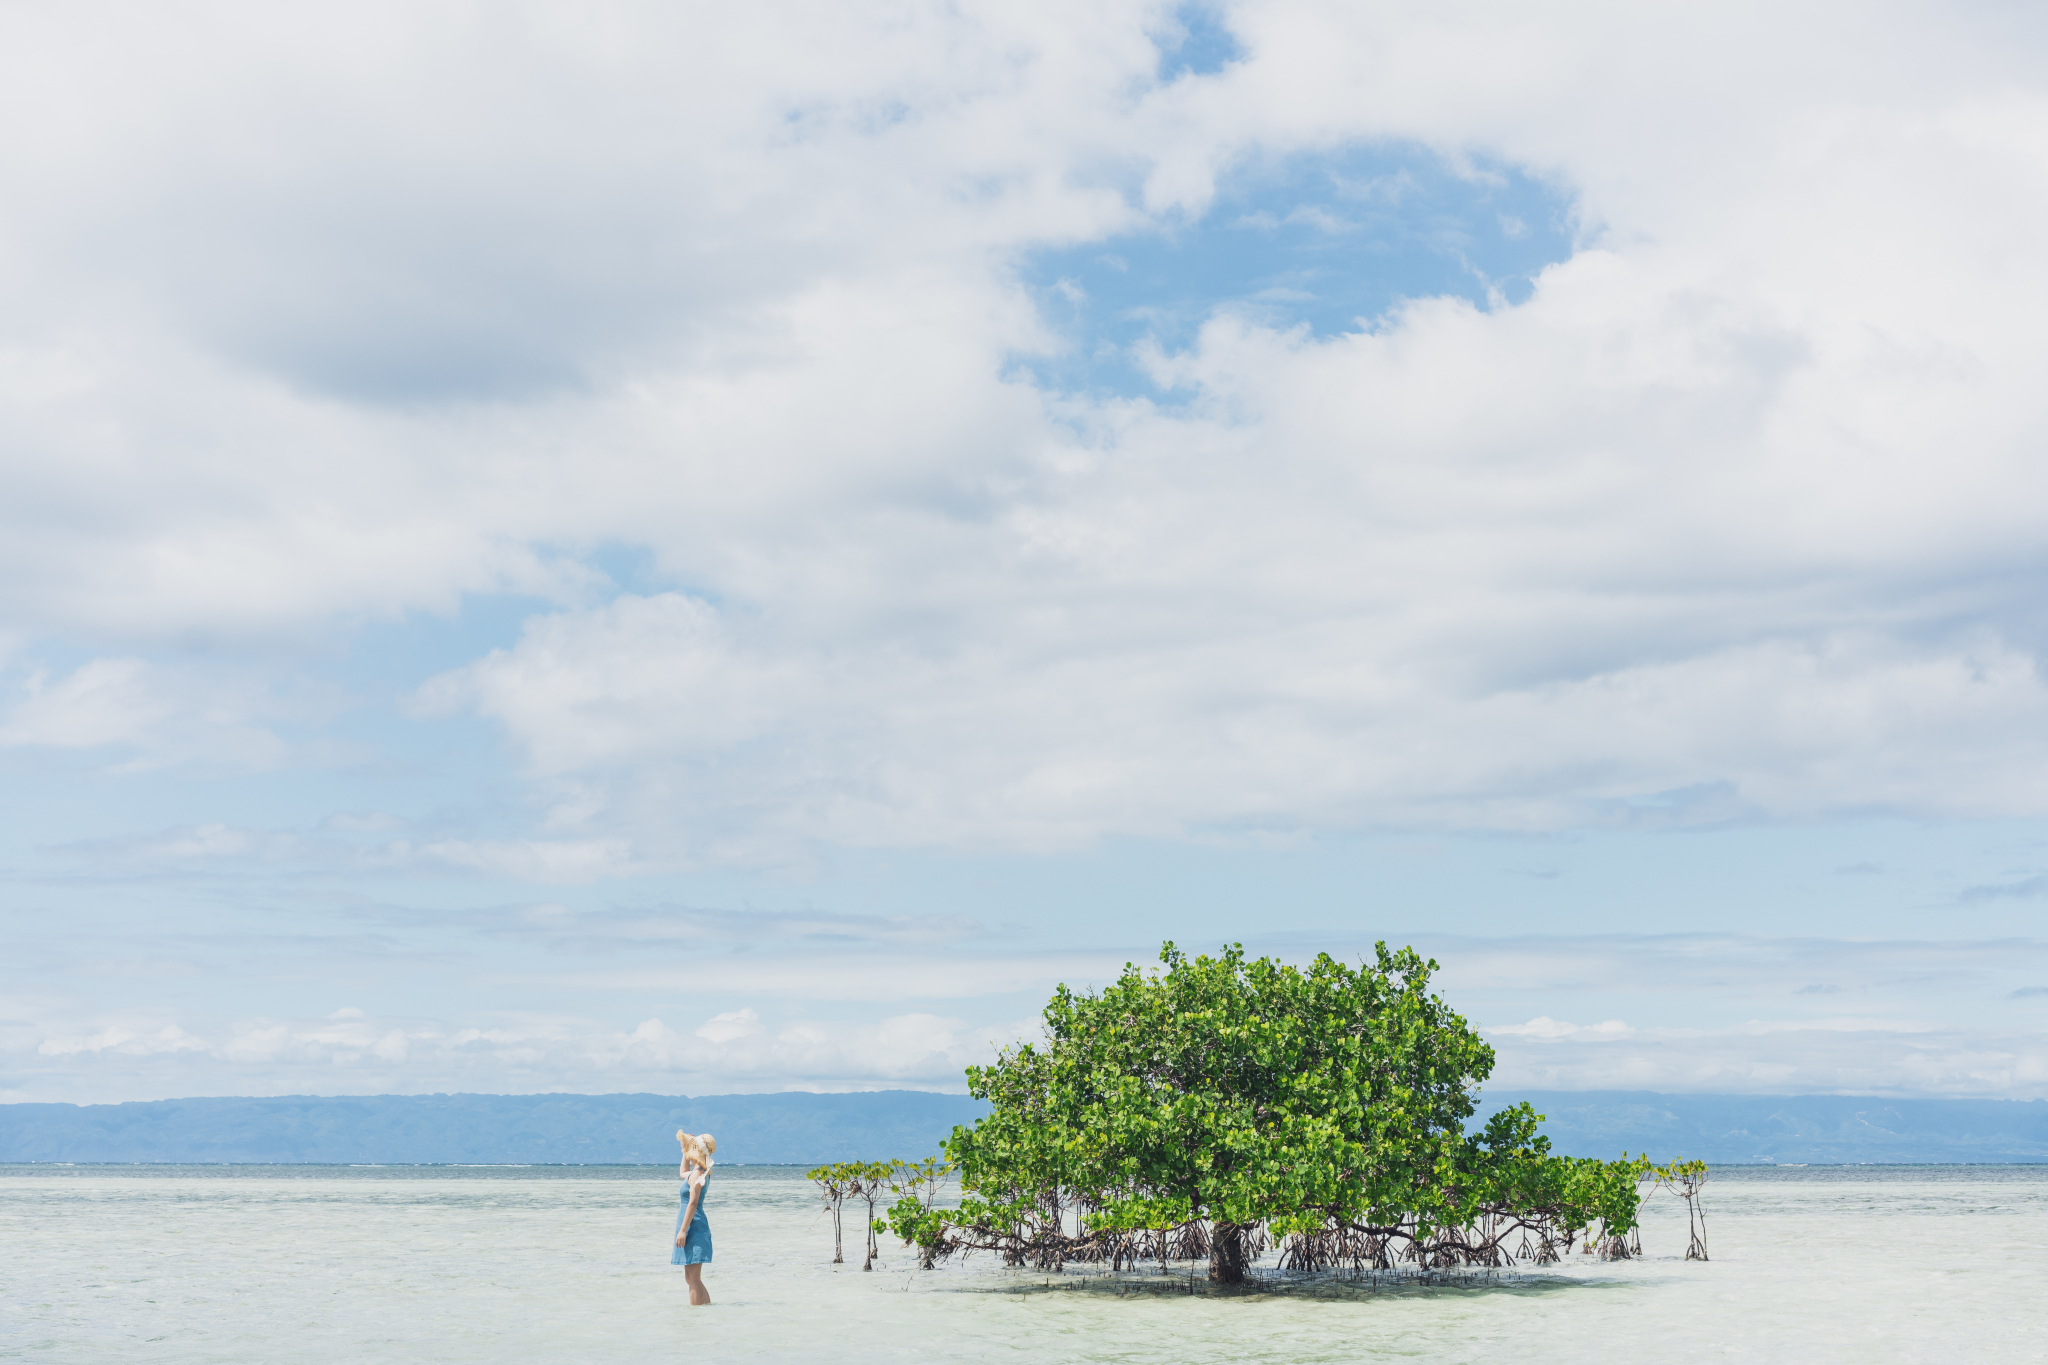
1206 1107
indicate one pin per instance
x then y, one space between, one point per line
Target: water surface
570 1264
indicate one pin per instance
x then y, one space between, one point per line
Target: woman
693 1229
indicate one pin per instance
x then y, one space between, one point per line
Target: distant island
571 1129
810 1128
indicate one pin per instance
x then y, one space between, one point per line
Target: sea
314 1264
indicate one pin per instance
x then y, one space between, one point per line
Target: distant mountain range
754 1129
805 1128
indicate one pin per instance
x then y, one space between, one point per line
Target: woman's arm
690 1214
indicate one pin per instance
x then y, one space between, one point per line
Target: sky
706 549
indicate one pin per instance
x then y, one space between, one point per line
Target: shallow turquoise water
319 1264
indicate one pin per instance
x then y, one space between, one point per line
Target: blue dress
696 1248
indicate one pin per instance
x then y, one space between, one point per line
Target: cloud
222 849
1545 1027
999 740
703 1003
324 334
1736 1013
1833 1055
102 702
1736 966
147 714
534 860
591 247
622 930
113 1038
352 1052
872 976
372 822
1736 506
2026 888
723 1028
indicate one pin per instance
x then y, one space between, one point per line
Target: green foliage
916 1216
869 1182
830 1180
834 1183
1686 1179
1194 1110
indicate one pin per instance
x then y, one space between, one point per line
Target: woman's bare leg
699 1295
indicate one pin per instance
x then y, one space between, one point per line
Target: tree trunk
1226 1253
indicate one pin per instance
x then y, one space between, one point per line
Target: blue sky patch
1199 44
1332 241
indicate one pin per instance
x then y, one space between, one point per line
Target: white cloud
317 320
723 1028
767 1005
351 1052
534 860
1728 1013
1737 969
1733 503
149 715
224 849
1839 1055
755 746
122 1041
1543 1026
55 1053
872 976
102 702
